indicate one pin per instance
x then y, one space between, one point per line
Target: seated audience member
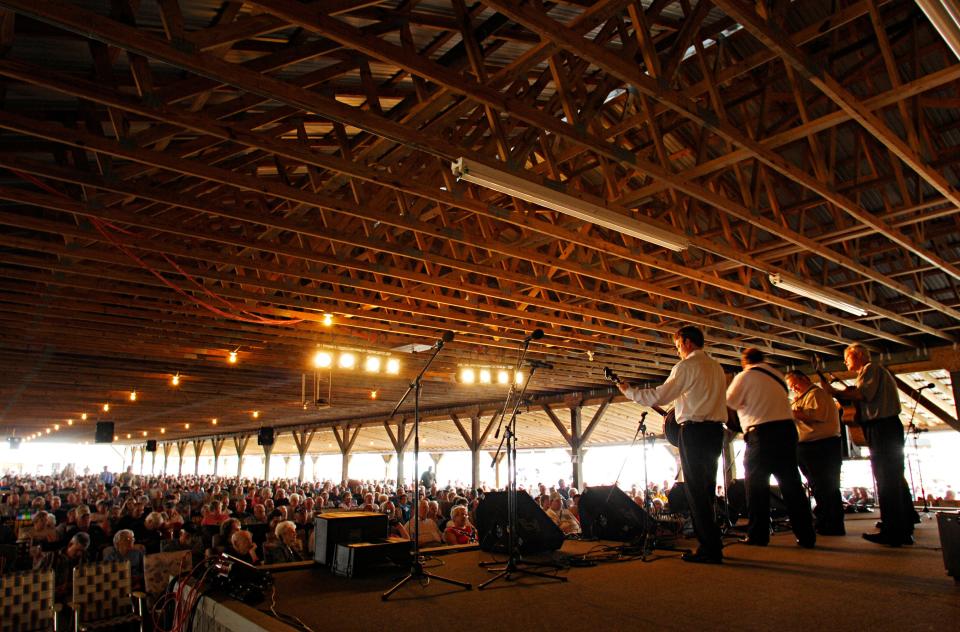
459 530
240 510
62 564
429 533
214 516
562 517
287 547
347 501
124 549
172 517
188 539
258 516
369 504
153 532
243 547
223 539
395 521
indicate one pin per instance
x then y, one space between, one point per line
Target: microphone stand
416 566
915 431
515 564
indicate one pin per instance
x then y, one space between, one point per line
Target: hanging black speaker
104 432
265 436
151 445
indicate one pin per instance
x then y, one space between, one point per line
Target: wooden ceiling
180 179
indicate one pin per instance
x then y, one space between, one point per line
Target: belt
765 423
705 421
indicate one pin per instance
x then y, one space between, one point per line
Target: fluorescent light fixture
547 197
822 296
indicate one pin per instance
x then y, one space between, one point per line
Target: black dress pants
700 445
772 449
820 462
885 438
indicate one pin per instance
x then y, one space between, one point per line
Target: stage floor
845 583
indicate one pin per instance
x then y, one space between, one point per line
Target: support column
197 449
181 449
217 445
240 443
496 467
143 453
346 437
475 440
153 462
267 452
386 466
436 457
400 442
575 437
166 456
303 439
314 458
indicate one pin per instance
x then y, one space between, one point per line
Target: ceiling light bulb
214 421
69 422
393 366
327 320
128 435
468 376
322 359
256 414
175 380
56 426
133 396
83 416
232 357
144 433
503 377
116 437
347 361
48 431
186 426
163 431
106 408
372 364
373 394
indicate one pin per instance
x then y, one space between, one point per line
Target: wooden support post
346 437
474 440
240 443
181 449
436 457
217 444
197 449
153 462
166 455
303 439
400 442
314 458
496 467
386 466
267 452
577 436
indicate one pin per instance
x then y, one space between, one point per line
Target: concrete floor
845 583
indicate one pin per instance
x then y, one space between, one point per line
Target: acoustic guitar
671 429
849 409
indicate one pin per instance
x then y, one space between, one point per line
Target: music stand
514 564
416 566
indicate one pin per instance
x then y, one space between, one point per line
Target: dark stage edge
845 583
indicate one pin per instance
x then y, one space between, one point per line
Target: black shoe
907 540
883 538
807 543
702 558
753 541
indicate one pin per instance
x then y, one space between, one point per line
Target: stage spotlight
518 378
503 377
372 364
468 376
485 376
393 366
347 361
322 359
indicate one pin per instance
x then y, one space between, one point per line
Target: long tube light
801 289
505 182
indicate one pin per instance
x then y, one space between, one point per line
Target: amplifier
949 526
352 559
344 527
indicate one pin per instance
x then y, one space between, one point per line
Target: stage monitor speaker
677 499
151 445
265 436
104 432
536 532
609 514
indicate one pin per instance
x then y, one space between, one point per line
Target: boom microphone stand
914 431
416 566
515 565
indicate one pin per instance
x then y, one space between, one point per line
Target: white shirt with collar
696 383
758 398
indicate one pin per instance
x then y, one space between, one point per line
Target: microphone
536 334
930 385
539 364
444 339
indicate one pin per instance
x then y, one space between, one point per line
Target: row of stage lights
348 361
487 375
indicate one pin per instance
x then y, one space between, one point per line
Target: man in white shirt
759 395
697 384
